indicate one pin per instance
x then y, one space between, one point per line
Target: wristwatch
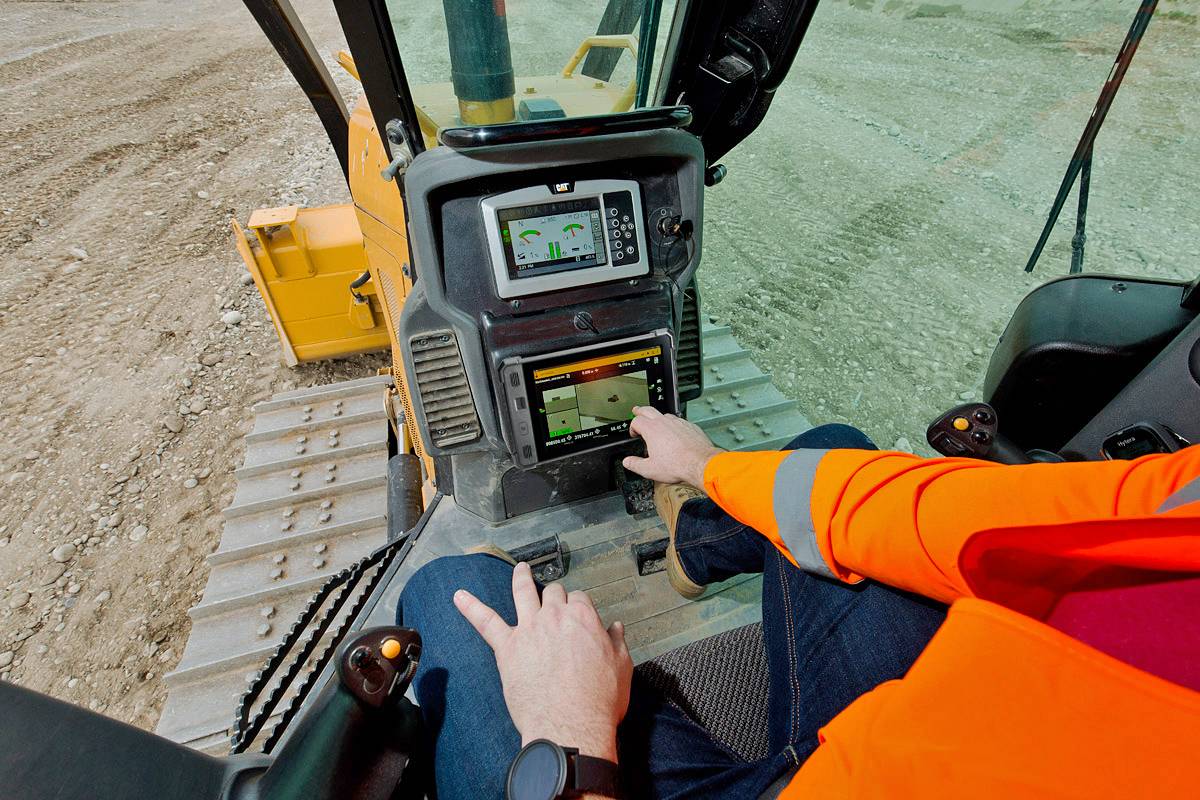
545 771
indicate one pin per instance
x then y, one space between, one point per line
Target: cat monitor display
562 235
553 237
577 400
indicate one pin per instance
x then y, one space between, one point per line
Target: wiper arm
1081 160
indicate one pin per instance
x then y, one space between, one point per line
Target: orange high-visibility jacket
1000 704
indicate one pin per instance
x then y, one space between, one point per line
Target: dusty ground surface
130 133
868 243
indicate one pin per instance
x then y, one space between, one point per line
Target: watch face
538 773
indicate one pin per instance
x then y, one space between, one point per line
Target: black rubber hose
404 494
358 282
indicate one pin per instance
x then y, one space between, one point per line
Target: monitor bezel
508 287
524 429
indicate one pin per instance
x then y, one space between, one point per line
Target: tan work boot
668 499
490 549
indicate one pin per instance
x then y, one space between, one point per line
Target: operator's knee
847 437
834 436
429 593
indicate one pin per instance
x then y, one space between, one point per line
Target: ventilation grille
687 352
442 387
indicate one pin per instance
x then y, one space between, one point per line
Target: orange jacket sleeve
903 520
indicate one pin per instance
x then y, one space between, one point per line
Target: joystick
972 431
377 665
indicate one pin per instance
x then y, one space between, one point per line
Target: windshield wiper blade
1082 157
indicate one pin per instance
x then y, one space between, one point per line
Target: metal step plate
311 499
740 408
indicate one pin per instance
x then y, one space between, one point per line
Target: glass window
870 240
481 62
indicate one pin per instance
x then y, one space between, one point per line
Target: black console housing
456 300
1071 346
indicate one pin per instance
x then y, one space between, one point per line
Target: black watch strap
590 775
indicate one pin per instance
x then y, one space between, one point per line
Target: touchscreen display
552 237
587 403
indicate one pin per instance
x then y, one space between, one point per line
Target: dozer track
740 408
290 527
311 498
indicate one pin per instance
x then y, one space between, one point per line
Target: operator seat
721 683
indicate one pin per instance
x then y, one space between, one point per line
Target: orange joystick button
390 648
960 423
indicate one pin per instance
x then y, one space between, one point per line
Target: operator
932 627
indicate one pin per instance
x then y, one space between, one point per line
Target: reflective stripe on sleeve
793 514
1190 493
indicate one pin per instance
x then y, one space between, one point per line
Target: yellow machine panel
303 261
380 212
577 94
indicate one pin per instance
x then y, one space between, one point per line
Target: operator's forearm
903 520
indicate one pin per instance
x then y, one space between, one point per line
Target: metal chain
335 642
245 729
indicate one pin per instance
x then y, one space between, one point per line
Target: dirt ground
867 243
131 132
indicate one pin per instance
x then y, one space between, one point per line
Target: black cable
358 282
246 728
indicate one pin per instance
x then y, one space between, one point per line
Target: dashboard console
549 298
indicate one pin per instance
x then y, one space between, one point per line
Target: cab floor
598 537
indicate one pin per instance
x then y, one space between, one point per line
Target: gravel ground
868 244
131 132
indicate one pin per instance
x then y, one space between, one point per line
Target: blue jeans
827 643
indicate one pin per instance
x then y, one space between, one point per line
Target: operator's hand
677 451
565 677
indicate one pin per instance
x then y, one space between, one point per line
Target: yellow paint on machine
303 261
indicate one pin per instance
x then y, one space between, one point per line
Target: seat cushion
721 683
